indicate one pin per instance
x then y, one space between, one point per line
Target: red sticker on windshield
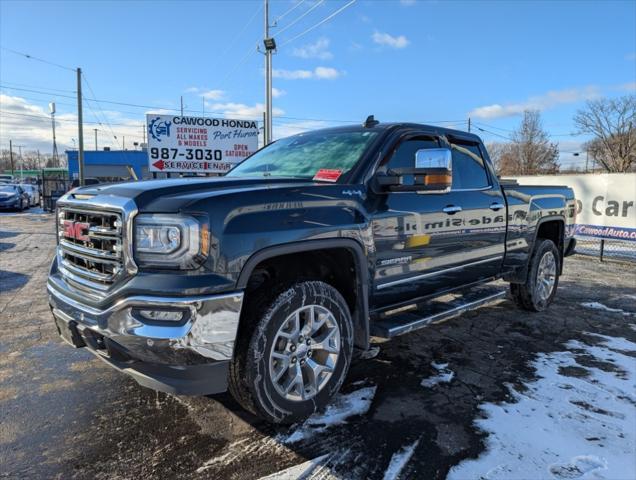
328 175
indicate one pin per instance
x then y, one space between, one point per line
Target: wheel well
553 230
335 266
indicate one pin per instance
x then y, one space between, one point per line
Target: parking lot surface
496 393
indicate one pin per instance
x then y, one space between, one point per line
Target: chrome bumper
206 335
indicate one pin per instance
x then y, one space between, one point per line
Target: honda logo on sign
76 230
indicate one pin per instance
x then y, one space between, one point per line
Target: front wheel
298 354
542 280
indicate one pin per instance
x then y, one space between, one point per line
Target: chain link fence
606 249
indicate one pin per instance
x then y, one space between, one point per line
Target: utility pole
587 157
144 133
95 138
80 128
123 142
21 162
55 157
182 105
468 124
270 46
11 154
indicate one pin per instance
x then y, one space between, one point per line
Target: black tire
530 295
250 381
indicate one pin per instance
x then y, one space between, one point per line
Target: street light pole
270 46
80 128
95 138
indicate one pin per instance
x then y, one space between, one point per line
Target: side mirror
432 173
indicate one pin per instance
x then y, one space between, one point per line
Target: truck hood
174 194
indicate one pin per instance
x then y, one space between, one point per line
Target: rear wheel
298 354
539 289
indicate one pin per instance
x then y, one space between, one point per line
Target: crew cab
269 280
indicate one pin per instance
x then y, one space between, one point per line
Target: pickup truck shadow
7 234
11 280
422 394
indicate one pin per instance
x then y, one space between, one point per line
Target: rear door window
469 168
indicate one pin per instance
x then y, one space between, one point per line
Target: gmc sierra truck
269 280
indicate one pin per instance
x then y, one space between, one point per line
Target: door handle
452 209
496 206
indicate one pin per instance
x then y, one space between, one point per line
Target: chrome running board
434 311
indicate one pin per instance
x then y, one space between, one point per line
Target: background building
109 165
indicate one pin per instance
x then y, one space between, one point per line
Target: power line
240 34
492 133
41 88
302 15
326 19
37 59
280 17
64 120
512 131
157 107
99 106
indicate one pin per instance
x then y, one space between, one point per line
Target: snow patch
304 470
444 376
564 427
399 461
338 411
605 308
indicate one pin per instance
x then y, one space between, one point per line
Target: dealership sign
606 203
197 144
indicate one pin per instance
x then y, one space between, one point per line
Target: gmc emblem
76 230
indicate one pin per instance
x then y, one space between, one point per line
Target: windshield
314 155
8 188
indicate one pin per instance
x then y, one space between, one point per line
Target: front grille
91 247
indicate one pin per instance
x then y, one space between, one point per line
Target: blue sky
400 60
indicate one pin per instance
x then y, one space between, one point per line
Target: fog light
162 315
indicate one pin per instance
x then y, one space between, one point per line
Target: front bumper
189 357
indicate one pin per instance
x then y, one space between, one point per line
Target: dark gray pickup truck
271 279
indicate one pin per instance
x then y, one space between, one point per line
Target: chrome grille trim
97 260
90 253
117 234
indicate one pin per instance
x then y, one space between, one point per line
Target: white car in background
33 192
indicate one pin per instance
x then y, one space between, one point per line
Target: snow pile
341 407
605 308
565 427
444 376
399 461
304 470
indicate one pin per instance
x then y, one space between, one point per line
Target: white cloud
29 124
208 94
628 87
243 111
538 102
407 3
631 57
292 128
318 49
325 73
291 74
389 40
277 92
213 94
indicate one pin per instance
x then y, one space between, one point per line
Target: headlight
170 241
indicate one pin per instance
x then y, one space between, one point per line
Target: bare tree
530 152
612 122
